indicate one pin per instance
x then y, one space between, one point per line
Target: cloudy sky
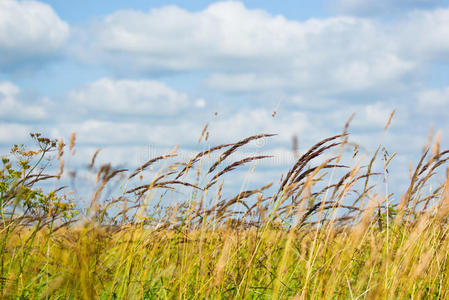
129 76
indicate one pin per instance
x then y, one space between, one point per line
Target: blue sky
128 75
81 11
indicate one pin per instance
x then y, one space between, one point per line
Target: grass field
324 230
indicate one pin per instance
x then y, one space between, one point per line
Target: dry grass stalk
305 240
195 159
203 132
235 147
149 163
94 157
313 152
232 166
389 120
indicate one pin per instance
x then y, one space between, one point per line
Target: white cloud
370 72
376 114
175 39
129 97
434 101
14 133
13 108
92 131
247 49
424 35
246 82
200 103
30 32
356 74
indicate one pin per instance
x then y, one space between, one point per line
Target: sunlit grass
318 235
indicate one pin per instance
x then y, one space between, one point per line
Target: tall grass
323 231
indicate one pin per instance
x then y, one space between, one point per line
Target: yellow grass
312 237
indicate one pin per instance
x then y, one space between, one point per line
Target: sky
137 78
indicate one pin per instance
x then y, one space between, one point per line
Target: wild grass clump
325 230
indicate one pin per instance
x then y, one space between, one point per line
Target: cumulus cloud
376 114
107 96
129 112
30 33
106 111
247 49
170 38
246 82
15 109
184 130
423 35
91 131
434 101
13 133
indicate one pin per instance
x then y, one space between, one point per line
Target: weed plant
324 230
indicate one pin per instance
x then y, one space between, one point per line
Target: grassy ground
317 235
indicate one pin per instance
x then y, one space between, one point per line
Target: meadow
324 230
